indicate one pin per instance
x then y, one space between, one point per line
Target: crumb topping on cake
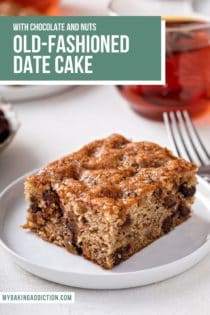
112 173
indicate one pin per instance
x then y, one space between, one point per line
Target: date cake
110 199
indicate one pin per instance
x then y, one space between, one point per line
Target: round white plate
28 92
165 258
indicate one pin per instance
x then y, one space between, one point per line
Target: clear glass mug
187 58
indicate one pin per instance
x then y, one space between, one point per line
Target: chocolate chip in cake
169 202
73 231
84 220
78 249
35 208
187 191
184 210
130 194
158 193
33 199
50 197
167 225
75 173
121 158
93 152
127 221
119 253
70 225
73 234
135 166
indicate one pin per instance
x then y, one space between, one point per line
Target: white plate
28 92
165 258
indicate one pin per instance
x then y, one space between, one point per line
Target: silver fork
186 142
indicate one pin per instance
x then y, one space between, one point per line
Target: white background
55 126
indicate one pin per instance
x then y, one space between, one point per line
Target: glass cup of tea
187 59
28 7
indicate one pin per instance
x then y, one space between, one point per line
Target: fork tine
180 124
183 136
170 133
190 138
194 130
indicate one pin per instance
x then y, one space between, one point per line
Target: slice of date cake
110 199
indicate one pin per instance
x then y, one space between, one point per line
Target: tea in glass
187 57
187 72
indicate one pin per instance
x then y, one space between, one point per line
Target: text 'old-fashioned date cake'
110 199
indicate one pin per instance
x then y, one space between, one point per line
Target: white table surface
55 126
